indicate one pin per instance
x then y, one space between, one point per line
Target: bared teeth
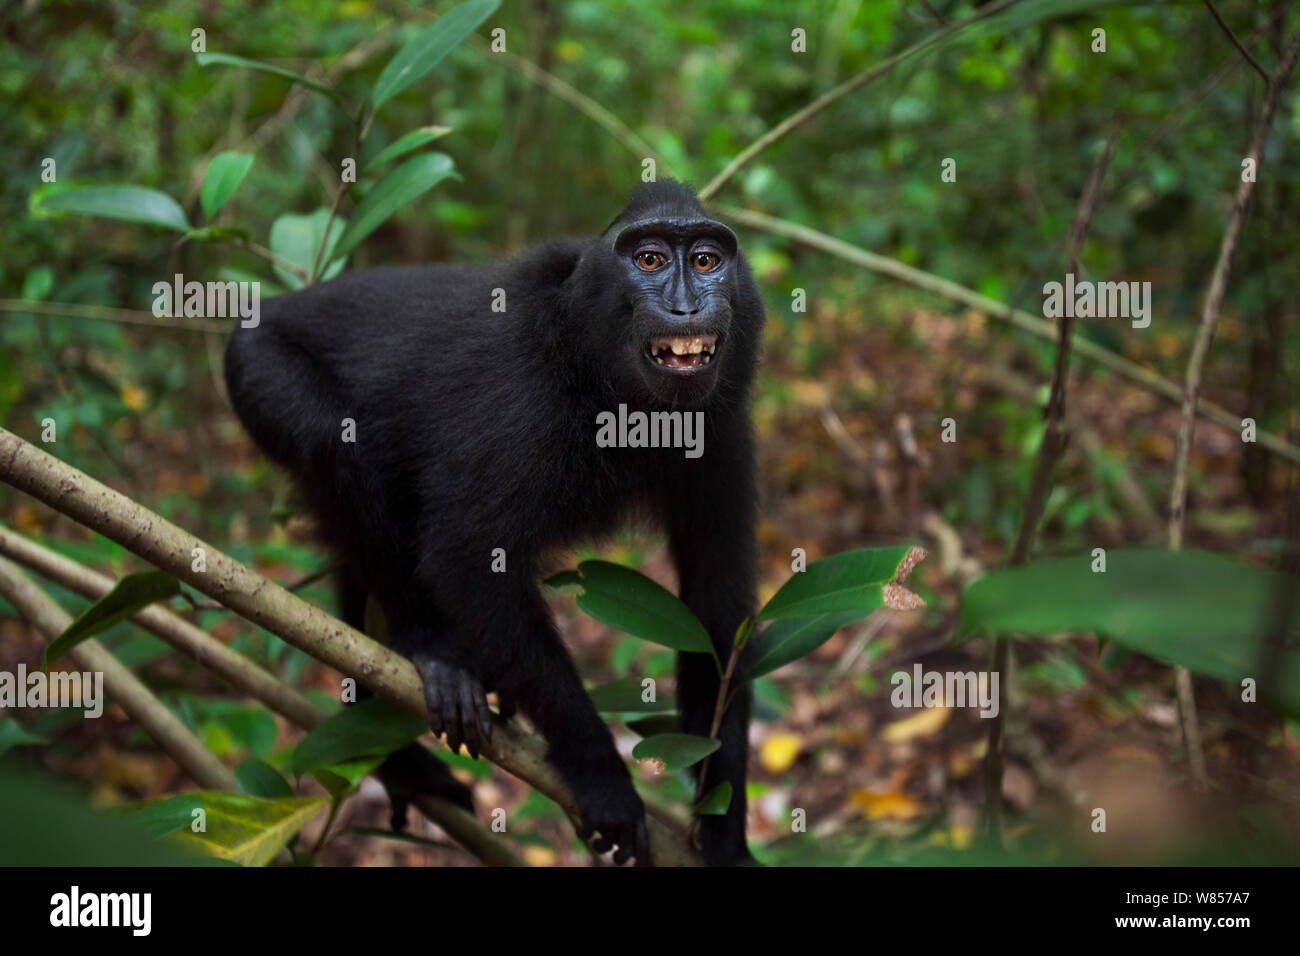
683 351
684 345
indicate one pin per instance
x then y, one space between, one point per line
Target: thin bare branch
244 674
1050 451
580 101
76 310
1227 30
998 310
124 687
1214 293
801 116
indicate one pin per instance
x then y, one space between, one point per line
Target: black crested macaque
475 430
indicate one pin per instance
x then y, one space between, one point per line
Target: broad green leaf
373 727
630 601
850 581
428 47
296 238
399 188
404 144
624 696
1210 613
129 595
222 177
128 203
207 59
248 830
14 734
677 751
791 638
716 801
45 822
257 778
167 815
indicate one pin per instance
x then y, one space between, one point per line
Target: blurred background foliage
112 92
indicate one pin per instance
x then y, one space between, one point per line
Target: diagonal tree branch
246 675
158 541
999 310
175 739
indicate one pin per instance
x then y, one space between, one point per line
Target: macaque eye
705 261
650 261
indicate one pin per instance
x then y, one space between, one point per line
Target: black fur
476 430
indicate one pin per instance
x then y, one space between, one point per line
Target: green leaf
217 232
167 815
129 595
223 176
373 727
44 822
427 49
624 696
14 734
249 830
207 59
1210 613
677 751
630 601
337 787
128 203
38 283
353 771
658 724
257 778
850 581
716 801
399 188
791 638
404 144
296 238
563 579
